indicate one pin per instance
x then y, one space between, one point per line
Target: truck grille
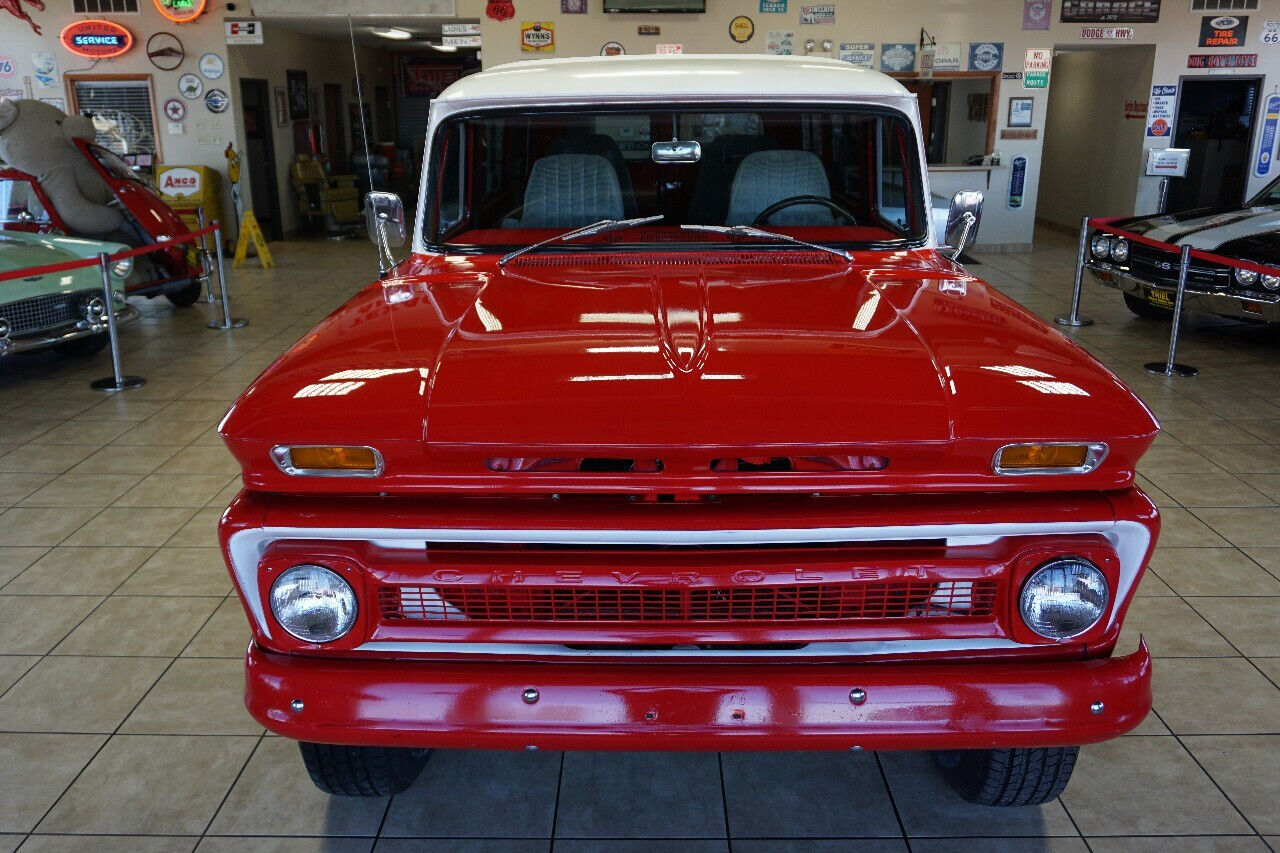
1156 265
819 602
44 312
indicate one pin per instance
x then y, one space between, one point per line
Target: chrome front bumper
1256 307
15 344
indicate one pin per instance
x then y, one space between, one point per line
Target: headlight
1101 245
122 267
313 604
1063 598
1246 277
95 308
1271 282
1120 250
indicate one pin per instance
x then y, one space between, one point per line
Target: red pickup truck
679 429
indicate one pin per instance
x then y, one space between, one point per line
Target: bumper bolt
857 695
651 715
296 706
1096 707
531 748
855 748
530 695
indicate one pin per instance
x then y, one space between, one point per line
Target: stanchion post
1170 367
228 322
205 263
1082 253
118 381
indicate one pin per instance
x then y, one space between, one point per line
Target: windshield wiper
750 231
602 227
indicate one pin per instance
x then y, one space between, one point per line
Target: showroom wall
1092 173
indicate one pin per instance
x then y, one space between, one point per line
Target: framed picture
1020 110
299 102
282 107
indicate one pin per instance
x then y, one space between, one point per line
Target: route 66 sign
1270 33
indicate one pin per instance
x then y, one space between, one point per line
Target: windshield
115 167
1270 194
836 176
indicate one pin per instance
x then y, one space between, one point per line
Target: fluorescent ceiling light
392 33
443 48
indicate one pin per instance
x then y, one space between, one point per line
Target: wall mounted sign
1267 144
96 39
8 67
180 181
1036 14
11 94
1135 109
212 66
773 7
669 48
1020 112
460 41
44 65
1170 162
1017 181
1035 68
1106 33
648 30
500 10
180 11
1110 12
190 86
1160 110
811 15
948 56
1019 133
1222 60
243 32
612 48
1223 30
859 54
1010 75
741 29
217 101
537 36
898 56
573 7
175 109
1270 34
165 51
421 77
780 42
986 55
460 30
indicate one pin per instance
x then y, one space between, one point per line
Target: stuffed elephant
37 138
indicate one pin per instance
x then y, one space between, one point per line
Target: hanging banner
1036 14
1266 146
1017 181
859 54
1160 110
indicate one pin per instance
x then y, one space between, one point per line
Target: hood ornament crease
683 330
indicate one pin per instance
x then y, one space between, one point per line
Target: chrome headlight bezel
1100 246
1270 282
1059 578
1120 250
313 589
1248 278
122 267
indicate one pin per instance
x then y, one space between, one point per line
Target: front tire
185 297
1143 308
1008 777
362 771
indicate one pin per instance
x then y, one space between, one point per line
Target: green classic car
62 310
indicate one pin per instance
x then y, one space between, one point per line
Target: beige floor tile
259 844
274 796
1212 571
50 408
45 458
126 459
131 526
1215 696
1210 490
957 845
1146 786
139 626
1188 844
14 430
1172 629
32 625
195 696
200 532
30 525
207 412
18 486
151 785
79 570
1209 431
1246 769
1247 528
109 843
192 490
202 459
226 635
1151 586
1180 529
159 430
86 430
93 490
75 694
15 559
1252 624
122 407
12 668
1268 484
181 571
37 768
1174 460
1256 458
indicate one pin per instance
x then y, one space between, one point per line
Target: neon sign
96 39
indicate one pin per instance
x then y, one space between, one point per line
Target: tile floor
120 719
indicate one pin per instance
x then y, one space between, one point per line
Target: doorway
1215 121
336 142
259 154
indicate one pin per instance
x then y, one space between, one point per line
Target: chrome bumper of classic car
14 344
1258 307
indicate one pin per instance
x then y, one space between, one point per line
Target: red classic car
24 206
679 430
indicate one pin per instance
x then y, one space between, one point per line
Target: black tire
1008 777
84 347
1143 308
362 771
186 296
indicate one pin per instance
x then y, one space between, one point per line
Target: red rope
1105 225
81 263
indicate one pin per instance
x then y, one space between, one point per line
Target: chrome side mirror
384 218
963 219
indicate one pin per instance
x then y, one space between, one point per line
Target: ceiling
335 27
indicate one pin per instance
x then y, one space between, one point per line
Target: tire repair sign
1267 144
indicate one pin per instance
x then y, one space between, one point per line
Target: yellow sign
741 29
537 36
249 230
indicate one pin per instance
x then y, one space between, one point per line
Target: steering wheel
762 218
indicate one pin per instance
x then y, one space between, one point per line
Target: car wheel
1008 777
82 347
186 296
362 771
1143 308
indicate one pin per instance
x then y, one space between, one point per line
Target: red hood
458 361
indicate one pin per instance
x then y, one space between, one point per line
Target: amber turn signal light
328 461
1048 458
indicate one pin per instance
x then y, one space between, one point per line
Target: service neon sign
181 11
96 39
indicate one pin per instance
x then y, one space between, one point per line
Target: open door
1215 121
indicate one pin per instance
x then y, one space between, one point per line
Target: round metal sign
741 29
165 51
217 101
190 86
175 109
613 48
212 66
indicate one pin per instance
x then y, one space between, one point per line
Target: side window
452 178
894 176
491 158
20 204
